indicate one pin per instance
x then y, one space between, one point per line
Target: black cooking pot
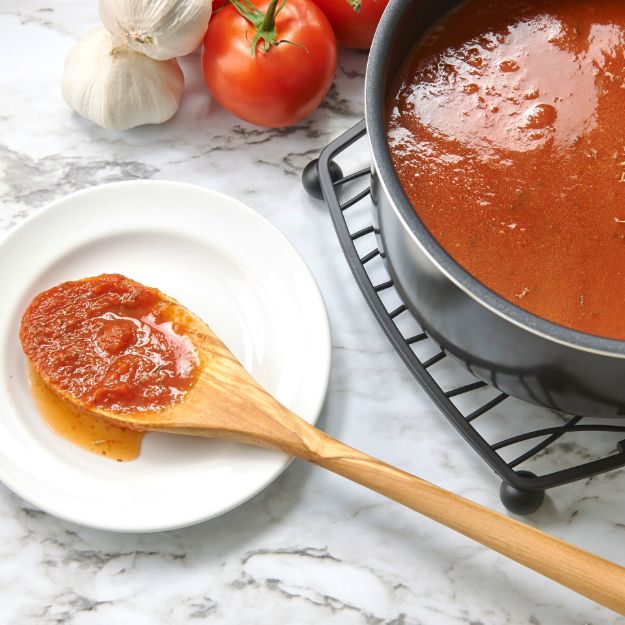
519 353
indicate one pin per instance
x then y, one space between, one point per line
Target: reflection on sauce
507 130
81 428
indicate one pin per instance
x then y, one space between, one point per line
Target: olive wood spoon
227 403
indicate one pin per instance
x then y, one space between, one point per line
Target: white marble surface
312 548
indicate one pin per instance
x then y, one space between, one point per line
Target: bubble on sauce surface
509 66
540 116
474 58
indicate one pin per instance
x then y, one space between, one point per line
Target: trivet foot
519 501
310 177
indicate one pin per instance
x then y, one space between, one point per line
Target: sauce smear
507 131
109 343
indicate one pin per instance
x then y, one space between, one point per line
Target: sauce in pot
507 131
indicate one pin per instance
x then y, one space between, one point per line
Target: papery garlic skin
160 29
117 88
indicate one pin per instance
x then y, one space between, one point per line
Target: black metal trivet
522 491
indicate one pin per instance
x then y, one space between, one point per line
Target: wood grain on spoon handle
585 573
591 576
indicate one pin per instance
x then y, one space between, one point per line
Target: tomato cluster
271 62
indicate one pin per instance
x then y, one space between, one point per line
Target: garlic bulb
161 29
118 88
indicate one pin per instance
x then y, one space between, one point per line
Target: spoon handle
581 571
232 406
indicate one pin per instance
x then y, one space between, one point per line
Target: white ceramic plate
224 262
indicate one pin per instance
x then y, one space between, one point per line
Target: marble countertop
312 547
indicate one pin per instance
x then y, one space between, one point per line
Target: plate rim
15 486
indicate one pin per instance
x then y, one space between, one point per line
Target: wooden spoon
227 403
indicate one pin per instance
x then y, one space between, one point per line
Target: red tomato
353 30
217 4
278 87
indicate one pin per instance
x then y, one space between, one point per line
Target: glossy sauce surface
110 343
507 130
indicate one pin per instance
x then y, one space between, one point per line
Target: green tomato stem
264 23
269 22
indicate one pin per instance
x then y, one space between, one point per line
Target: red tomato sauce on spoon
111 343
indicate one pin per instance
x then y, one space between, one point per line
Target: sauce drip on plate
82 428
110 343
507 131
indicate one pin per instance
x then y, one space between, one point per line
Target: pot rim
375 100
